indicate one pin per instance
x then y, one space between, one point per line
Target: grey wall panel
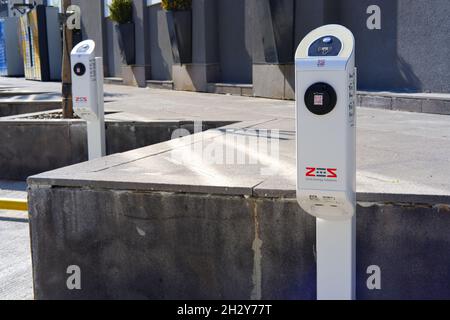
204 31
54 43
257 46
308 16
235 46
410 52
92 17
271 32
376 50
142 32
424 43
160 49
114 58
13 50
4 11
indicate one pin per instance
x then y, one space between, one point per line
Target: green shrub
121 11
176 5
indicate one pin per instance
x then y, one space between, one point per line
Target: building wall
234 43
426 51
142 36
161 59
4 10
409 53
92 19
205 48
114 59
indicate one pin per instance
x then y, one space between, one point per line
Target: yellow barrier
13 204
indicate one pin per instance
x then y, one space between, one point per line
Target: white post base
96 138
336 259
96 129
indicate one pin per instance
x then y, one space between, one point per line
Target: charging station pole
96 128
326 153
335 245
88 100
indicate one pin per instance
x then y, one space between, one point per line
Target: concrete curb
421 103
409 102
12 108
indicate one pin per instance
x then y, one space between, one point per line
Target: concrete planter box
179 24
148 225
29 147
12 108
126 37
138 244
274 30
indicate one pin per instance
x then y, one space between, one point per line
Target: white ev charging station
87 92
326 153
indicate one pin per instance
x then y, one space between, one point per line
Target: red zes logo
81 99
330 173
321 62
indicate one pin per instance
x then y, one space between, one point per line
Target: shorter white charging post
326 153
87 92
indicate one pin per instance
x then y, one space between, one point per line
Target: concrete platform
394 152
137 100
167 222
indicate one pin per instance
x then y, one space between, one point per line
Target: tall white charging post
326 153
87 92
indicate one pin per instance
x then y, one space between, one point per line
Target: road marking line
13 204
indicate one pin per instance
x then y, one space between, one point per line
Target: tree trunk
67 106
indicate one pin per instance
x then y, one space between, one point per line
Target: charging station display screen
79 69
83 48
325 46
320 98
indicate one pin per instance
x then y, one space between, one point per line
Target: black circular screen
320 98
79 69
